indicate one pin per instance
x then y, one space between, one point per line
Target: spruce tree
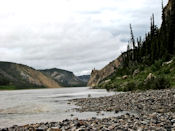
133 42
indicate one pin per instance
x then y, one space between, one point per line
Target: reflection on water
42 105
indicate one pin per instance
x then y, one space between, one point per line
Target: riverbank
155 121
150 101
150 110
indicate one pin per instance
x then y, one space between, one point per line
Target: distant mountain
64 78
84 78
23 77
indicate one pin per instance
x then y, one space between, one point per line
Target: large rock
125 77
167 63
137 71
150 77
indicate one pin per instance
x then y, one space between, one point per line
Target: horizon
39 69
72 35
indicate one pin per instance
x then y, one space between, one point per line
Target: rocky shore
160 101
154 121
153 110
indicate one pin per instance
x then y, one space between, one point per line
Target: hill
18 76
141 66
64 78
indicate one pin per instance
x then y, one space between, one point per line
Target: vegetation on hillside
146 56
163 76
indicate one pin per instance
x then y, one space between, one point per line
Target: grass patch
12 87
7 87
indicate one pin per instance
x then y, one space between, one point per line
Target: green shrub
111 86
162 83
141 67
156 66
131 86
166 71
8 87
153 68
154 84
157 83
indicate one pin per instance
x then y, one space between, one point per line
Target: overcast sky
76 35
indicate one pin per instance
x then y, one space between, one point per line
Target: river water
22 107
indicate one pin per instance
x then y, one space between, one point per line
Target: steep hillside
64 78
158 45
21 76
99 75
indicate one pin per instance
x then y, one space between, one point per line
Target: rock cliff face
168 8
22 76
99 75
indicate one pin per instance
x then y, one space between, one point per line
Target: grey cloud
79 44
89 12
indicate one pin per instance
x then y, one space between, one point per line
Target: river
20 107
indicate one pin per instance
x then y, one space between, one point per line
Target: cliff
99 75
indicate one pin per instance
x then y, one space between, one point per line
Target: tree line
159 43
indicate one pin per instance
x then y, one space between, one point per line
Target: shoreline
149 101
155 110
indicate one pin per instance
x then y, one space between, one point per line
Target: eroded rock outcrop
168 8
99 75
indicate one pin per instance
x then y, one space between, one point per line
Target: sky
75 35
